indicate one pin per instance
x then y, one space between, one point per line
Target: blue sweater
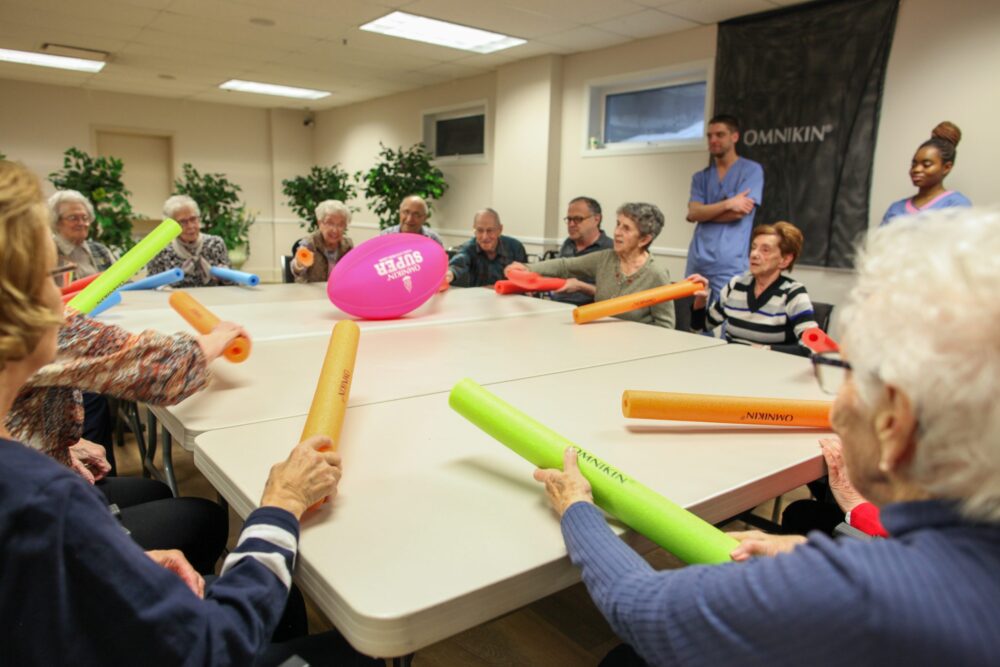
930 595
75 589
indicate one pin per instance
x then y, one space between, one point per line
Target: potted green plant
306 192
222 212
100 180
398 174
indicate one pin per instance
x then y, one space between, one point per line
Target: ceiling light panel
441 33
57 62
272 89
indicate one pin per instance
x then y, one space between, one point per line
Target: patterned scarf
193 263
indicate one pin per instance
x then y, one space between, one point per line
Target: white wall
255 148
351 134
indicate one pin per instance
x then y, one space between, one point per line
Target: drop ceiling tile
327 54
581 11
646 23
583 38
456 70
714 11
495 17
82 28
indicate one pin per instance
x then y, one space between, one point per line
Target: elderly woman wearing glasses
328 243
917 412
72 215
626 268
193 252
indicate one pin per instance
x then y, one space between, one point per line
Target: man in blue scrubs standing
724 198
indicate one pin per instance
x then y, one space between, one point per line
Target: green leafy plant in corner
100 180
222 212
306 192
398 174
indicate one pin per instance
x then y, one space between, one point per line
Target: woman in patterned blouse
72 216
192 252
328 243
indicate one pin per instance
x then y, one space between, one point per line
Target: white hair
922 318
177 202
333 207
67 197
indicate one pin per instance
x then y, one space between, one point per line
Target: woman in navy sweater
916 410
75 589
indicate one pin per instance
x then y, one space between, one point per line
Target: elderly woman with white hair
192 252
916 409
72 215
328 243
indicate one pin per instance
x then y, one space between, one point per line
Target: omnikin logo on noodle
399 265
802 134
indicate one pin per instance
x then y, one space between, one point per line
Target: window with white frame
650 111
456 133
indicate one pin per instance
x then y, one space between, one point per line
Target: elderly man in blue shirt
724 199
481 260
916 411
413 214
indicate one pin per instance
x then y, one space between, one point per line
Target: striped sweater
777 318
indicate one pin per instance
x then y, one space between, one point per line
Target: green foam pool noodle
669 525
126 267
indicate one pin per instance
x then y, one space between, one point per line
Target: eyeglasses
78 217
335 224
576 219
194 219
830 370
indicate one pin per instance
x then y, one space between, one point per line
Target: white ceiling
185 48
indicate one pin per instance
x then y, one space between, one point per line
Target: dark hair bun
947 131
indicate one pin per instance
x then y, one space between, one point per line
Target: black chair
682 313
550 254
822 313
286 268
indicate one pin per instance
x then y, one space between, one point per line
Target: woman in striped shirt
762 307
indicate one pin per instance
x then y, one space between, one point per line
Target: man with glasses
413 214
583 236
480 261
72 215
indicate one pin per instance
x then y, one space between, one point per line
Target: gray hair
921 318
486 211
177 202
647 217
66 197
332 207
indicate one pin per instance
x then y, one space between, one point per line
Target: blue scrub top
720 251
948 199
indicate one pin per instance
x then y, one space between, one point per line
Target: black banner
806 85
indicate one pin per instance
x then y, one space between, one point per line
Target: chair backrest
286 268
550 254
821 313
682 313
